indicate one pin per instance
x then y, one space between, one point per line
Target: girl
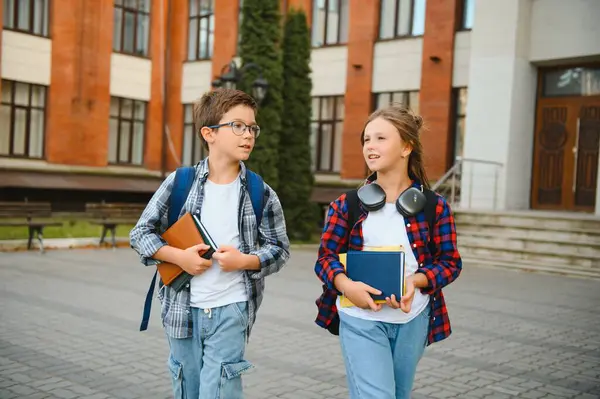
382 343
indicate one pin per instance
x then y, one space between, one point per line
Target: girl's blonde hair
408 125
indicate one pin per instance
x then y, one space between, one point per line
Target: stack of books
382 268
185 233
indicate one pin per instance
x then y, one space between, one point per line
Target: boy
209 321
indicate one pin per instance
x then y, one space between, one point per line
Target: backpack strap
430 207
256 188
184 178
353 210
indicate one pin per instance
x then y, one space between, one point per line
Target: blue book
381 270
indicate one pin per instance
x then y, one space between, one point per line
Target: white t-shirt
383 228
219 214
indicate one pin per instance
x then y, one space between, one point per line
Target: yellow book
345 302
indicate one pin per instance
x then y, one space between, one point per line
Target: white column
501 107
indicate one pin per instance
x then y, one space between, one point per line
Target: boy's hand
230 258
192 262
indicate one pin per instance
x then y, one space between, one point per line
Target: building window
460 116
22 119
407 98
330 22
193 146
467 12
326 133
131 27
571 82
201 32
401 18
127 128
29 16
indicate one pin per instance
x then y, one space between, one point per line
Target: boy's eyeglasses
239 128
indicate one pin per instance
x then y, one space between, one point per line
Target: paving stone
70 329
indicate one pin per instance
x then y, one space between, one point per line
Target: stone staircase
553 242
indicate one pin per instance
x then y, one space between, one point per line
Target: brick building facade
88 86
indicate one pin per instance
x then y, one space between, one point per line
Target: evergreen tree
294 149
260 44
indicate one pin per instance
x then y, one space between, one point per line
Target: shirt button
197 211
420 264
434 318
187 285
414 245
407 224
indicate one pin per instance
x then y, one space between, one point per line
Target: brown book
185 233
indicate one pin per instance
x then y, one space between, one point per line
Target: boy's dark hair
210 108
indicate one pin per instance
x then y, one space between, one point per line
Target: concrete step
535 245
559 221
536 267
506 254
532 232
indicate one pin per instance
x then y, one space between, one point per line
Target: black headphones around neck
410 202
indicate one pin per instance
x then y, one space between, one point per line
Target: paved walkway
69 329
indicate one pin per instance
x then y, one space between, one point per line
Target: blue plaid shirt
273 251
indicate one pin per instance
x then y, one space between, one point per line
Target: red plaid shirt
440 268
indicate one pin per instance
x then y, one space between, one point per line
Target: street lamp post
231 76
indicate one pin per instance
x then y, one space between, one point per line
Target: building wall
391 73
462 54
77 113
436 85
506 42
497 61
564 30
26 58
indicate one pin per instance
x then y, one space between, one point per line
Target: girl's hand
359 294
406 301
409 295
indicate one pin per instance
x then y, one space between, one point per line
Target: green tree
296 177
260 44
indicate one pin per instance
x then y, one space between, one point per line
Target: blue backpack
184 178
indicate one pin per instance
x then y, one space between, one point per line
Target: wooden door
586 156
553 163
565 165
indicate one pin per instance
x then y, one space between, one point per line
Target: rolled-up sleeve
274 249
145 238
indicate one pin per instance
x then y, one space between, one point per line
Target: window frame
13 107
390 94
462 7
333 122
411 22
132 120
198 17
195 138
14 19
456 117
120 7
338 41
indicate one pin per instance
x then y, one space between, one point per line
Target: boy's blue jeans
381 358
210 363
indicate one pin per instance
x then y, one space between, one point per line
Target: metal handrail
453 175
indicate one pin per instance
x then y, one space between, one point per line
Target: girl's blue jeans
381 358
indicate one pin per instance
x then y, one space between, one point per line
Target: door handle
576 153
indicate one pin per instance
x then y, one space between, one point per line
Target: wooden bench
27 210
111 215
